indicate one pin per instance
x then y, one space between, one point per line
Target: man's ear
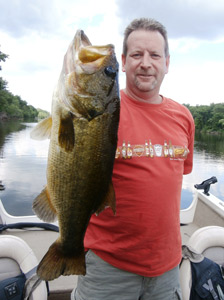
167 63
123 58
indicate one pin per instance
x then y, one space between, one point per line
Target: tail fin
55 263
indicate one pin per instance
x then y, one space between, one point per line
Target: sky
36 34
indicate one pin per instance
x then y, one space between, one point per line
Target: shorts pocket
177 295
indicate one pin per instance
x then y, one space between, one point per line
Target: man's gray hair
145 24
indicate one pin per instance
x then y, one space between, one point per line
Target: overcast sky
36 34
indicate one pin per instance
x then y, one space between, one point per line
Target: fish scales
83 140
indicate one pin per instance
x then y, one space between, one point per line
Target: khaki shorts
105 282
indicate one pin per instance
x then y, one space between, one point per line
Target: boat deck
61 288
203 212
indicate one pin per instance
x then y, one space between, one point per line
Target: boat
206 212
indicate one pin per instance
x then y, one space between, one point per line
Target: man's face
145 63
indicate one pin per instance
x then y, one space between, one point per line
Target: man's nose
146 61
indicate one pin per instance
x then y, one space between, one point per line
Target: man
135 254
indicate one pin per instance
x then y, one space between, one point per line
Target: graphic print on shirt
174 152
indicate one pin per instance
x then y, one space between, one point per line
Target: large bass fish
83 138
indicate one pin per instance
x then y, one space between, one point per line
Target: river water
23 167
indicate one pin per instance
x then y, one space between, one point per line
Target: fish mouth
90 58
82 57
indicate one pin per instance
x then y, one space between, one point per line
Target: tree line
13 107
208 118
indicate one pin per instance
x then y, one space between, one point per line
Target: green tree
3 100
3 57
3 83
208 118
42 114
221 122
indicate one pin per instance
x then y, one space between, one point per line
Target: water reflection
212 145
22 168
5 129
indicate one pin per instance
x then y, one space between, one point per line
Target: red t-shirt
144 235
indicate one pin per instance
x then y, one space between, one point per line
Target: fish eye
109 71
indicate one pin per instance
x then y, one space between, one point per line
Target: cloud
19 18
198 84
56 18
201 19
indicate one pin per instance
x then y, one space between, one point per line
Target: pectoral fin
66 134
109 201
42 130
43 207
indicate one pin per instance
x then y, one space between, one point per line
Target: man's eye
136 55
155 55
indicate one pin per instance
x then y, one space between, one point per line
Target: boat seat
208 241
17 256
